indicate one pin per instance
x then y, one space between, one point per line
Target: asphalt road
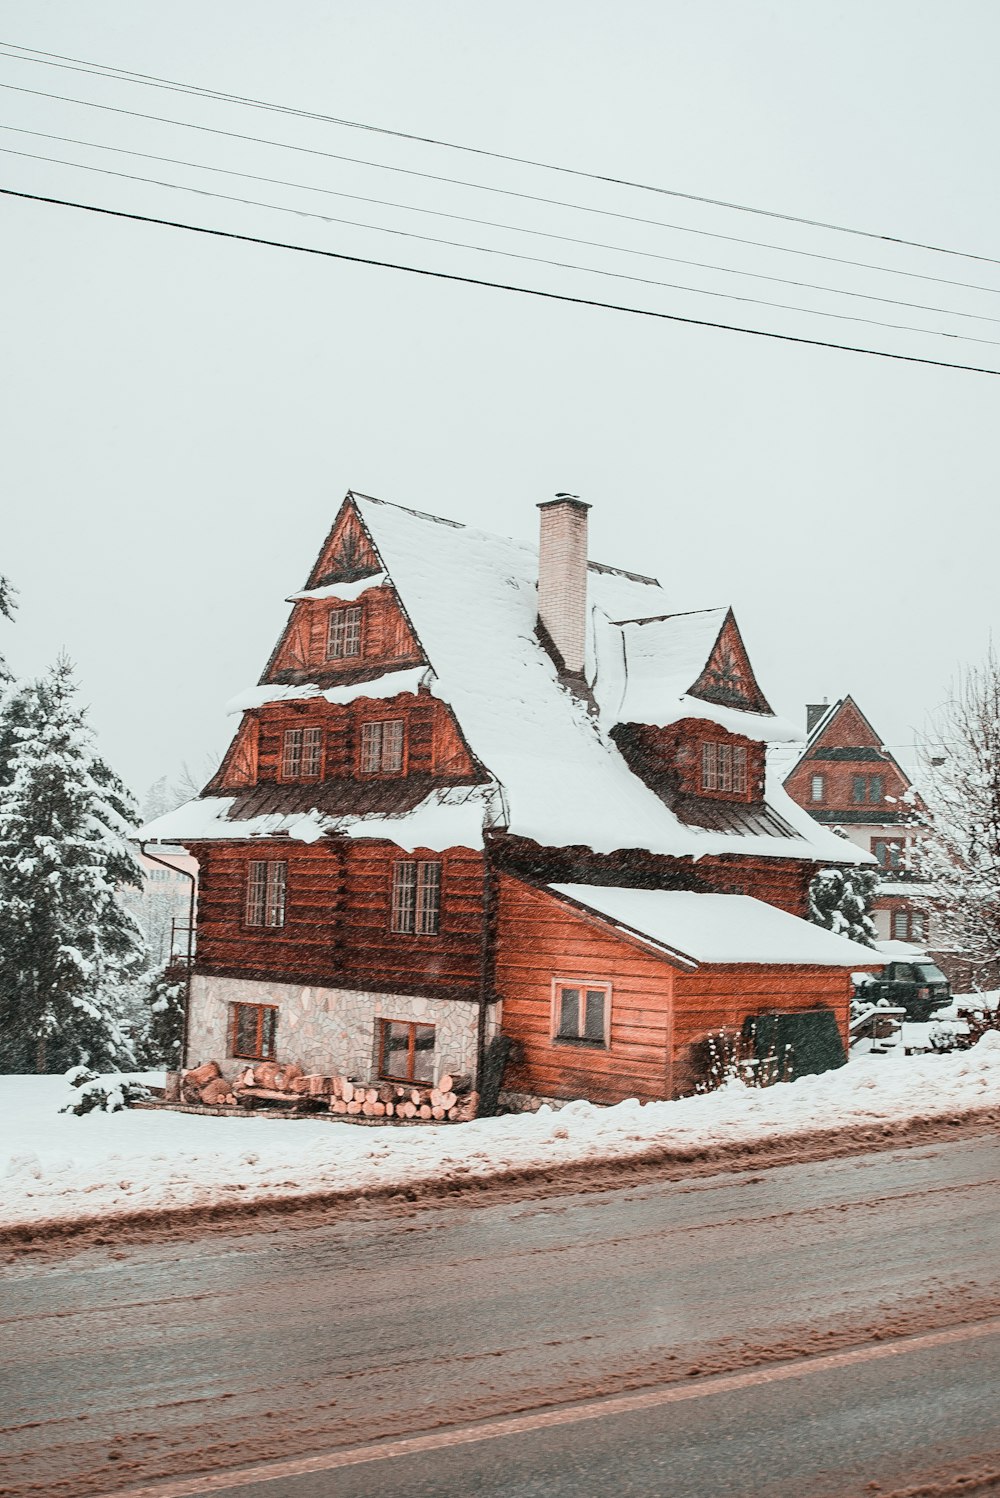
730 1301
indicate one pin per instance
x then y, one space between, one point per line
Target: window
253 1028
416 898
888 851
382 747
724 767
859 787
406 1051
817 788
343 633
266 884
909 925
876 788
158 875
581 1012
302 754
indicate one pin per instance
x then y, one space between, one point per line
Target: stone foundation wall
329 1029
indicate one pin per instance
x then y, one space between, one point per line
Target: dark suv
918 987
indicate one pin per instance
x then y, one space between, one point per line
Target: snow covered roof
472 600
702 928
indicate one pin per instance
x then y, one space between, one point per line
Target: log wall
337 918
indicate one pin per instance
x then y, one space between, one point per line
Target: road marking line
594 1409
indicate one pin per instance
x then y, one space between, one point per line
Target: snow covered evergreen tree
959 839
7 591
67 946
841 900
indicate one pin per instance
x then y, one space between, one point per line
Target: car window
902 972
928 973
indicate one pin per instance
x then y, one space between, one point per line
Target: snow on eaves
347 592
391 684
450 818
710 928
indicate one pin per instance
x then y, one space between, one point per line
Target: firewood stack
451 1099
271 1082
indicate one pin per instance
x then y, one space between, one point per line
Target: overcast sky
182 415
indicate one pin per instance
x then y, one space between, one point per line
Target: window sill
577 1042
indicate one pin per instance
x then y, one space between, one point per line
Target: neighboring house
162 905
485 786
846 778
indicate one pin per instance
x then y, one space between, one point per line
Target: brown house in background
484 787
846 778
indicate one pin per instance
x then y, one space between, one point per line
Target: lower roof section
706 928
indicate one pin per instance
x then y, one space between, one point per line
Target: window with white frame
267 880
817 788
416 897
382 747
343 633
581 1011
910 925
302 753
724 767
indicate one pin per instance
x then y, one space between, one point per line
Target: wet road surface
124 1368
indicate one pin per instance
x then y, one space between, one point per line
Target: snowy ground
56 1166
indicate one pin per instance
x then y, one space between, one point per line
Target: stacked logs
452 1098
285 1083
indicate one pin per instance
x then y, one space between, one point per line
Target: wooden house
845 777
485 786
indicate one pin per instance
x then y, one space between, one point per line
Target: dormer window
382 747
302 754
724 767
343 633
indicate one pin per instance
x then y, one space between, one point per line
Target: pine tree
840 899
67 947
7 591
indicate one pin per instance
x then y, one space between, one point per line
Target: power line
458 244
499 191
532 291
152 80
485 223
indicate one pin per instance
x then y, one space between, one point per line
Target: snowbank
58 1166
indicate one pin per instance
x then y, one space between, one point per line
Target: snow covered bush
105 1094
959 843
67 947
728 1057
840 899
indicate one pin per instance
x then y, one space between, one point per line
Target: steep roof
558 777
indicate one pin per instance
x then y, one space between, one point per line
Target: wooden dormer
695 759
728 678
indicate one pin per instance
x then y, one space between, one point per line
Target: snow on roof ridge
720 608
474 530
633 577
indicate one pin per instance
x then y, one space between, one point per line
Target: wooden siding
669 759
721 997
541 939
387 641
336 932
658 1011
782 882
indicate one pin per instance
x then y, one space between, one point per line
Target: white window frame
267 893
383 747
817 789
582 986
343 632
416 897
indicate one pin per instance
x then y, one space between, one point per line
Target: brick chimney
815 711
562 578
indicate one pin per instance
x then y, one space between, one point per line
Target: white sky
181 415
